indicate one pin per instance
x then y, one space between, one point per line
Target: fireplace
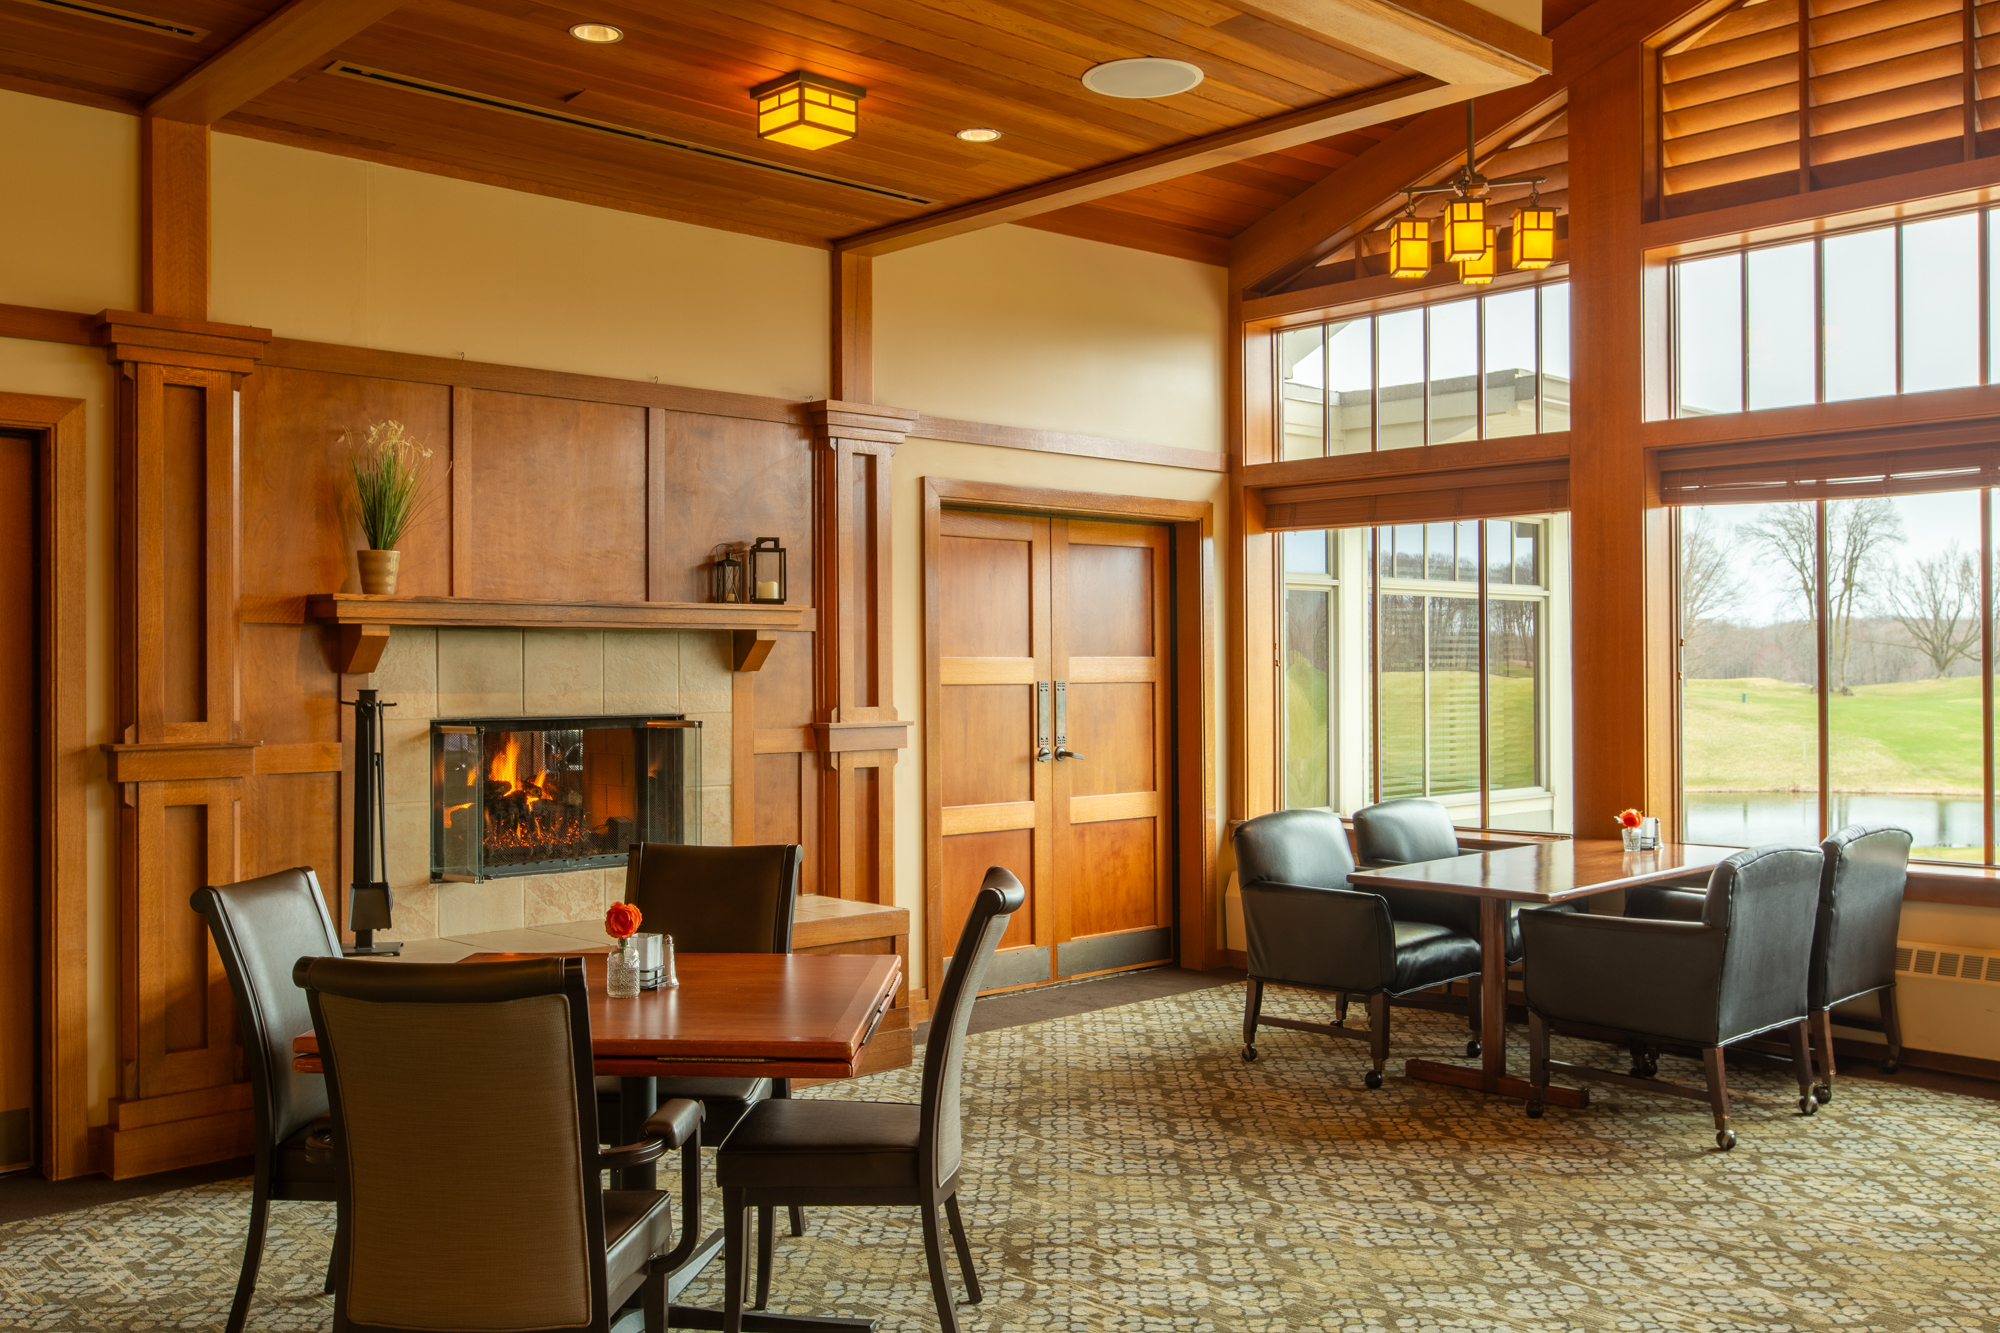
534 795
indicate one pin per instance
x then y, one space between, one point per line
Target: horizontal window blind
1778 97
1539 487
1912 471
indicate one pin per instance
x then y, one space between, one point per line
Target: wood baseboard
176 1143
1939 1062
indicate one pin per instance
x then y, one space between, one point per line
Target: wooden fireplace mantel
364 620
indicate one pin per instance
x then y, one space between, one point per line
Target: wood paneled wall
572 488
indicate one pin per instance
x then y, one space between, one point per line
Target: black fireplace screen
525 796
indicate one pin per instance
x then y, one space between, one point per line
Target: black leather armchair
1308 929
1739 971
1854 939
261 927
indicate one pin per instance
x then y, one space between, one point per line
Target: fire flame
506 768
451 810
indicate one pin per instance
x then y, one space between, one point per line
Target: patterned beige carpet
1131 1172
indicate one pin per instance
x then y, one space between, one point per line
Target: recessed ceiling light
1145 76
601 33
979 136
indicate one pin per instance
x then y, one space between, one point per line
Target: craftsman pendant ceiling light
808 110
1469 241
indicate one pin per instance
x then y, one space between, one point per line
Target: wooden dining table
1539 874
731 1016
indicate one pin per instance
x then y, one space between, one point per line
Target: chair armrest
674 1125
1335 939
1655 977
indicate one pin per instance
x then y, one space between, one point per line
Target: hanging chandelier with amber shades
1469 242
808 111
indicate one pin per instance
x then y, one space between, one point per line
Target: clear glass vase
621 971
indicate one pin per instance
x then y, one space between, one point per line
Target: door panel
20 860
993 630
1111 829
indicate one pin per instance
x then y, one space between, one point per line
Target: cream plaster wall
1028 328
330 249
918 459
70 231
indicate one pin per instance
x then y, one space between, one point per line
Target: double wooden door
1052 706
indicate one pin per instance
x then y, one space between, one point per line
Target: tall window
1835 667
1859 314
1475 369
1430 660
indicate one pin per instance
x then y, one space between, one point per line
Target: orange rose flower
1629 818
622 921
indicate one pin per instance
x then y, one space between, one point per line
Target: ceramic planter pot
378 570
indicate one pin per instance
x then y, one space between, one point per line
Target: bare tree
1936 602
1707 583
1855 532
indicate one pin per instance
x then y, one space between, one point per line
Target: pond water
1749 818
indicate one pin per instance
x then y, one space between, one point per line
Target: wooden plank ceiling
932 67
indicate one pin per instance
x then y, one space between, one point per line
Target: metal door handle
1041 722
1062 723
1067 754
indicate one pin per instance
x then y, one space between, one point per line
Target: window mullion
1986 662
1825 690
1485 715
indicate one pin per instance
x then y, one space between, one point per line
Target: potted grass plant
390 470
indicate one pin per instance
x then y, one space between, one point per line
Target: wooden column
173 218
856 730
853 307
1622 622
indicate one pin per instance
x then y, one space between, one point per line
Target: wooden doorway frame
1191 524
66 776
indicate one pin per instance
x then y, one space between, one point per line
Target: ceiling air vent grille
1947 961
1877 88
186 32
425 87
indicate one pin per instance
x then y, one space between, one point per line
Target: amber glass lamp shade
1534 238
727 585
807 111
1478 271
1410 248
1464 229
767 571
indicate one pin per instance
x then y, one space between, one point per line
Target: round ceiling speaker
1146 76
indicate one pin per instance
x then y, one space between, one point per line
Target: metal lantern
1479 271
1534 238
808 110
1410 248
767 571
729 586
1465 229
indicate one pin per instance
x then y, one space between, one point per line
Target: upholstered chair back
1305 847
942 1141
1764 900
716 899
467 1125
1860 908
261 927
1403 832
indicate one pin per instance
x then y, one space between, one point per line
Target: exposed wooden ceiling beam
1306 229
1306 125
1452 40
283 44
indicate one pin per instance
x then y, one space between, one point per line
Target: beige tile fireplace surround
433 673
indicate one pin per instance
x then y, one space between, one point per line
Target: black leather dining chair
494 1222
873 1154
261 927
1308 928
1854 934
713 900
1705 985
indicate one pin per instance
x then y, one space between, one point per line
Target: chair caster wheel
1823 1093
1374 1079
1891 1065
1808 1105
1643 1071
1725 1139
1249 1053
1472 1050
1537 1109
